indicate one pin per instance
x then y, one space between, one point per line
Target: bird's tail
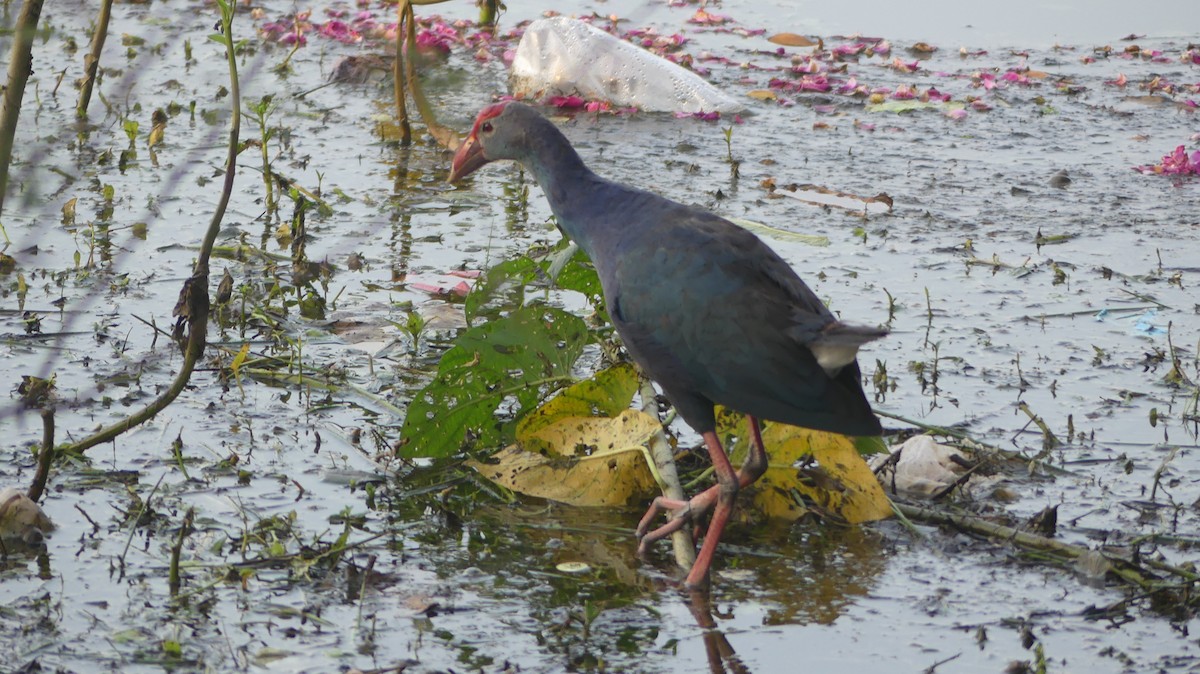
836 346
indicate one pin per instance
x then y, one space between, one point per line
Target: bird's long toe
659 505
681 513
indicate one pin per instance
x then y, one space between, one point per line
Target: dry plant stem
962 479
489 13
1126 569
173 577
195 290
91 62
404 79
20 66
444 136
1049 439
399 85
664 460
45 458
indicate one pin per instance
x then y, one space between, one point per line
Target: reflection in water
721 656
818 571
516 201
619 613
401 240
808 573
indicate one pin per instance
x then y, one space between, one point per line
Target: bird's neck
577 196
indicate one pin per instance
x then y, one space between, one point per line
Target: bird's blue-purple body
709 311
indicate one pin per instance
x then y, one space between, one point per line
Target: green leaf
579 275
869 445
512 274
515 361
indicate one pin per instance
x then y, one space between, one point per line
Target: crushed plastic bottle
560 56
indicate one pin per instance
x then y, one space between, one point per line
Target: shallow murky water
437 581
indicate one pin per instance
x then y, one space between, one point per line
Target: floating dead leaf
68 211
780 234
421 604
584 461
823 196
440 315
839 483
1150 100
158 126
1036 74
923 48
763 95
792 40
900 106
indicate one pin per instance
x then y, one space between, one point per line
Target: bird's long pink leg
685 511
727 489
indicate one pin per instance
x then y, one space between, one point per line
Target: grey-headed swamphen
703 306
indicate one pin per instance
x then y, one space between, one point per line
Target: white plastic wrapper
560 56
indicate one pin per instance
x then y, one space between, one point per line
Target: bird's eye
486 128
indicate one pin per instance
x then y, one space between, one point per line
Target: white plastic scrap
926 468
20 518
560 56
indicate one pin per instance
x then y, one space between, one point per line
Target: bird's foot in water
681 512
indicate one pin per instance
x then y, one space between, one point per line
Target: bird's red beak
468 158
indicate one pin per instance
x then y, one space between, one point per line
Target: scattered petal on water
1179 162
704 17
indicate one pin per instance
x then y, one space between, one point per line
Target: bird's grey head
501 131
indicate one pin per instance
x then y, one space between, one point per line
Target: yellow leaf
791 40
763 95
586 461
239 359
156 135
605 394
840 482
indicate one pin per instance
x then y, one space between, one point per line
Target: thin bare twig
20 67
192 308
45 458
91 62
